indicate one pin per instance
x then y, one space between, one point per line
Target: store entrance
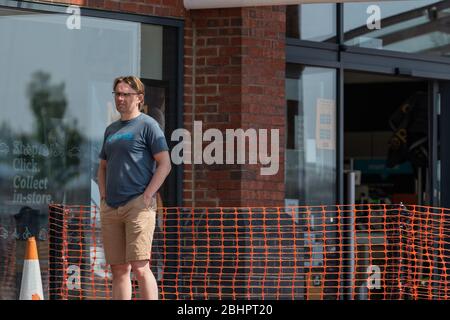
386 137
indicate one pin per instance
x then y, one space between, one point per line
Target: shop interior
386 137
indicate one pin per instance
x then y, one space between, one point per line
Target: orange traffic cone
31 287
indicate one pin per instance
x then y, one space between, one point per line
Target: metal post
349 235
419 187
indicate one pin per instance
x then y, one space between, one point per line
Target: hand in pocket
147 200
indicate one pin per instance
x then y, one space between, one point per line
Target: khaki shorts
127 231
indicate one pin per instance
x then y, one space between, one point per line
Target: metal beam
211 4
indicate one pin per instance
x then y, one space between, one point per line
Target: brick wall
263 99
234 75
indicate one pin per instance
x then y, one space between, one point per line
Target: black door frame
443 120
343 58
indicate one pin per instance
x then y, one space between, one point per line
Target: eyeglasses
123 94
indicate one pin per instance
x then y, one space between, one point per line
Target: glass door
390 137
311 135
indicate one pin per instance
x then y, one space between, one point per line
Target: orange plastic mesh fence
315 252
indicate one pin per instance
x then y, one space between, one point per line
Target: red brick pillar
234 78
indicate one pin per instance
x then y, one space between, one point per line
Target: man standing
134 162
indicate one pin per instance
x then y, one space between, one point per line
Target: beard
128 110
124 108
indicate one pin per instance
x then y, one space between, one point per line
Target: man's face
126 99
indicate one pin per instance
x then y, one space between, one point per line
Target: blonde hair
135 83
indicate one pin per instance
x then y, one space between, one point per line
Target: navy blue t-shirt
128 148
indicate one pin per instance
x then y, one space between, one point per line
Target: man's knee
120 270
141 269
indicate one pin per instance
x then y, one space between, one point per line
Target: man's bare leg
121 287
148 286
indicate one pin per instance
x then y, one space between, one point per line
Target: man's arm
101 178
163 168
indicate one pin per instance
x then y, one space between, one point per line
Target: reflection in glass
404 26
313 22
56 85
311 135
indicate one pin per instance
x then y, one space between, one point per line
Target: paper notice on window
326 124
